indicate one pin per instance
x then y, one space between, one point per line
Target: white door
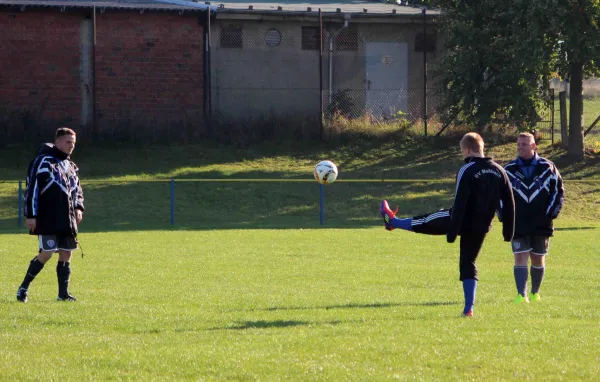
387 78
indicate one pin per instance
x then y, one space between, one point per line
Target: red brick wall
39 69
149 73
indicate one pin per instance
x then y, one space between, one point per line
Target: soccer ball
326 172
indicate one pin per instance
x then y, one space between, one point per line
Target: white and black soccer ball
326 172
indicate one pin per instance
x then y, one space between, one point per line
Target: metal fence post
552 114
321 111
208 53
425 69
322 204
172 201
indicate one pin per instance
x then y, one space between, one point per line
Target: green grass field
248 286
314 304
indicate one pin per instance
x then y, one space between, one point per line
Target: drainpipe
94 93
331 38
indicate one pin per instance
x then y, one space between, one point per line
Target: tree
573 26
502 54
488 74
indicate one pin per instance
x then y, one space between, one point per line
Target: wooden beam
591 126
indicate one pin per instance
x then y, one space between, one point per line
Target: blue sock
470 289
405 224
537 276
521 276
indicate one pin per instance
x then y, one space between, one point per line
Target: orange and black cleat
387 215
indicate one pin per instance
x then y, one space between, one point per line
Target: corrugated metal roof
235 6
119 4
352 6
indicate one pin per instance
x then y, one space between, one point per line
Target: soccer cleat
387 214
534 297
22 295
66 297
521 299
468 314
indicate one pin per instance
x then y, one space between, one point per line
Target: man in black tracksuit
482 186
54 208
539 195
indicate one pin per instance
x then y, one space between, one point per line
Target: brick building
110 69
164 69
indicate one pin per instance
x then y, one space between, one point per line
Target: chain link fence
133 75
558 110
376 76
264 80
320 78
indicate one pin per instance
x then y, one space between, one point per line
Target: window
273 37
310 38
231 37
425 45
347 40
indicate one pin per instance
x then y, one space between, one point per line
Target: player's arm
77 193
501 204
37 180
557 195
77 196
463 191
507 203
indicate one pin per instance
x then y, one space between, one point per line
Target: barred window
310 38
231 37
347 40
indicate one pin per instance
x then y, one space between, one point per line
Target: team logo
50 243
516 245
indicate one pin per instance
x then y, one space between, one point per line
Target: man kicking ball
482 188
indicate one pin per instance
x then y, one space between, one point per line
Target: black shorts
54 243
538 245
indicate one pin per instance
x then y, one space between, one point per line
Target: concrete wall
258 81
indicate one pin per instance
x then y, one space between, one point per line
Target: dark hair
63 131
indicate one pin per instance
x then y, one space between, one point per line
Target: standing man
539 196
481 186
53 207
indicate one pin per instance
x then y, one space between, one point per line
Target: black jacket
539 195
53 192
481 187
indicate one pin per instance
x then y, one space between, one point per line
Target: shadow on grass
100 161
376 305
263 324
210 206
131 206
575 228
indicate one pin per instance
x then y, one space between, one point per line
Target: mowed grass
130 190
247 285
312 304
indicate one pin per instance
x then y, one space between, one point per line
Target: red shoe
387 214
468 314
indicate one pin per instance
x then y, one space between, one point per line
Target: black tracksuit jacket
539 195
53 193
482 187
